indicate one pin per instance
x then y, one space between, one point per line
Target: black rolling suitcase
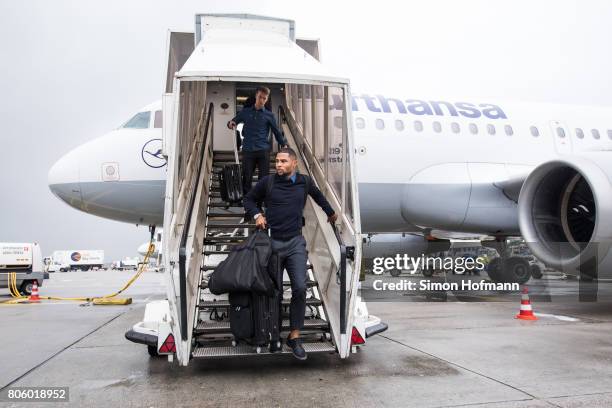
230 180
241 319
255 318
266 310
230 183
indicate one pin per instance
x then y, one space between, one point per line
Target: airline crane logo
152 154
75 256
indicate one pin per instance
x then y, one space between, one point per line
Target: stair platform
246 350
213 327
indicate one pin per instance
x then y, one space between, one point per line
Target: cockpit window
138 121
158 121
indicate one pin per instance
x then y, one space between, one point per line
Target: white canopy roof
241 52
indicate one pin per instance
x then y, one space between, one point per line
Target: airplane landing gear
507 269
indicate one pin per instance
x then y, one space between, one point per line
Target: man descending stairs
225 228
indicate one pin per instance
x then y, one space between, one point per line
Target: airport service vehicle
546 174
72 260
127 264
26 260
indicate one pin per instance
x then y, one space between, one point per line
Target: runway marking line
558 317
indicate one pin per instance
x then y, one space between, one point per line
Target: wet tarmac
462 352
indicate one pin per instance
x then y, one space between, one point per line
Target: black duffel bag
245 268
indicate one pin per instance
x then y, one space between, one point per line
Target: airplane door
561 136
223 96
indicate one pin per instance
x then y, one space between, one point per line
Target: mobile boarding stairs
312 107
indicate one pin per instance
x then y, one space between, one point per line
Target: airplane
426 167
431 168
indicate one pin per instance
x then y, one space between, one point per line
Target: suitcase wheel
258 349
275 347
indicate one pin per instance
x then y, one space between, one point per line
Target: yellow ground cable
101 300
14 290
10 282
12 286
127 285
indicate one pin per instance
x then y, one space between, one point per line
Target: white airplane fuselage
422 165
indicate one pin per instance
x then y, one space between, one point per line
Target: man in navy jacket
258 121
284 210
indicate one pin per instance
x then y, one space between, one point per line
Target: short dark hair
263 89
288 151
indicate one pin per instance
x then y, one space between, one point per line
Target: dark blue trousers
293 257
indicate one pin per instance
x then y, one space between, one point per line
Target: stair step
216 174
225 215
228 244
309 283
213 327
224 205
221 226
246 350
218 166
225 303
230 156
223 240
231 159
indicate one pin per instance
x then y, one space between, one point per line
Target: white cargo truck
127 264
70 260
26 260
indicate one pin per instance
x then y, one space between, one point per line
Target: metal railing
341 275
186 228
345 251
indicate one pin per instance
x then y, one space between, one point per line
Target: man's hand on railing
332 218
231 124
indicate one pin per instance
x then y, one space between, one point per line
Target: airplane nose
64 180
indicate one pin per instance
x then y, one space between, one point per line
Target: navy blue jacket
285 206
257 125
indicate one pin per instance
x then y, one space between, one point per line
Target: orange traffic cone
526 312
34 296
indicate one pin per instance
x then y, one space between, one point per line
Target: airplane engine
565 213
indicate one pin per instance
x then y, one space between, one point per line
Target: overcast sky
74 70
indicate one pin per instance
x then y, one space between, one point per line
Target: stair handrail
186 228
341 274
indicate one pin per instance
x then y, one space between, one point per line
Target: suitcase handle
235 146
